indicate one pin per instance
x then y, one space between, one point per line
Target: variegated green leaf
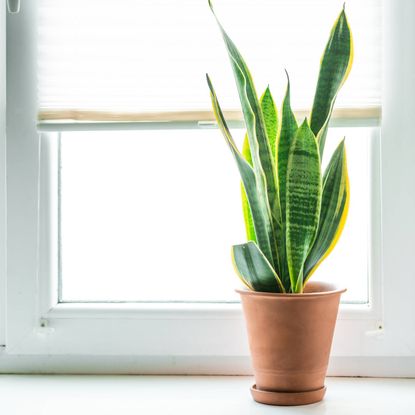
287 133
257 201
254 269
249 223
270 113
246 152
334 69
254 120
334 209
303 201
257 135
286 136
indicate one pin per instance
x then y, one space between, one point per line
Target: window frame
184 338
2 176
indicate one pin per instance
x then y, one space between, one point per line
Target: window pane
151 216
148 215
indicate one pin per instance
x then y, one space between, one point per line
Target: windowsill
45 394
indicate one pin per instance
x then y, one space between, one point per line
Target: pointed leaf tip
209 82
288 82
211 6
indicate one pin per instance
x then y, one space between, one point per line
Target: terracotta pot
290 338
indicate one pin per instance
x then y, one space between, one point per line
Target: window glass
152 215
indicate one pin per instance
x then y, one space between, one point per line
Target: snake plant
294 214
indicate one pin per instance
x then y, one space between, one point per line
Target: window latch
13 6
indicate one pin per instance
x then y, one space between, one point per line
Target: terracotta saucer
287 398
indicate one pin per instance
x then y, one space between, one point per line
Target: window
189 211
90 273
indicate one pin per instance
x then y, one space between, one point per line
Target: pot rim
329 292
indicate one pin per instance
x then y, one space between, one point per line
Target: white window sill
125 395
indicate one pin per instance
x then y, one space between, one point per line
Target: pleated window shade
126 60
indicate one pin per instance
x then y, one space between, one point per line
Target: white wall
2 169
398 188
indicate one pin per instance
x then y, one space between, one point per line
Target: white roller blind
150 56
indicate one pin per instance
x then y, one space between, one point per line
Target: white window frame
2 175
41 335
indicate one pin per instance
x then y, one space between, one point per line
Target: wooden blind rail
204 116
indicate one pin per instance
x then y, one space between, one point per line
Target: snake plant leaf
303 201
254 269
257 133
286 136
254 120
334 209
288 129
335 66
249 223
246 152
258 202
270 113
